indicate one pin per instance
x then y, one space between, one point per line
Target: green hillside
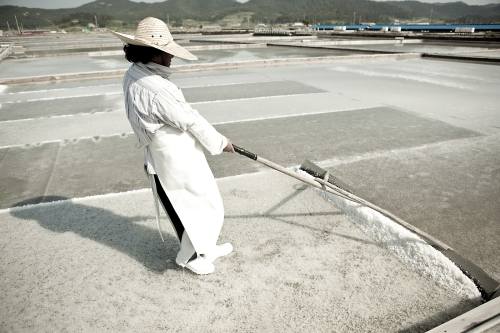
324 11
451 12
180 10
123 10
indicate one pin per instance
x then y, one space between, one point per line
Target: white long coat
187 180
172 134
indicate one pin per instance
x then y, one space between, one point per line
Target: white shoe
218 251
199 265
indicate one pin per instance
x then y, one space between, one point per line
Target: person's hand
229 147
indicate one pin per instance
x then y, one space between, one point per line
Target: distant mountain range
279 11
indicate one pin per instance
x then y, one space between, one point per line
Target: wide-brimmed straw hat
153 32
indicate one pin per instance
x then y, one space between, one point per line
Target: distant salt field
422 48
51 66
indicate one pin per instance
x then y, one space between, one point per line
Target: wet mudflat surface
251 39
53 66
12 68
62 52
187 43
489 54
59 39
231 55
93 43
421 48
69 45
54 87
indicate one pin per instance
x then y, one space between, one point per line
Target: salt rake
322 180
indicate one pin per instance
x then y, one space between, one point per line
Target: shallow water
234 55
421 48
57 66
11 68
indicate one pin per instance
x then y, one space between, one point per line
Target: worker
172 135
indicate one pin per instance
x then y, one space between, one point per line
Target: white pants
187 249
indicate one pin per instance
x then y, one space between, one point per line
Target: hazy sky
52 4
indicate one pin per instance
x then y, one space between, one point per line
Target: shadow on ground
283 217
122 233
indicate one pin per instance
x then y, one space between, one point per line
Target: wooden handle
330 188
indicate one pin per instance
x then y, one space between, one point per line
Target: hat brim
173 48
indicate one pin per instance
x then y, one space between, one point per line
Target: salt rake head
318 172
487 286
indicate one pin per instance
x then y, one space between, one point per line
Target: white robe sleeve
176 112
173 111
212 140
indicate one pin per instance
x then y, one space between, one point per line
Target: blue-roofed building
416 27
